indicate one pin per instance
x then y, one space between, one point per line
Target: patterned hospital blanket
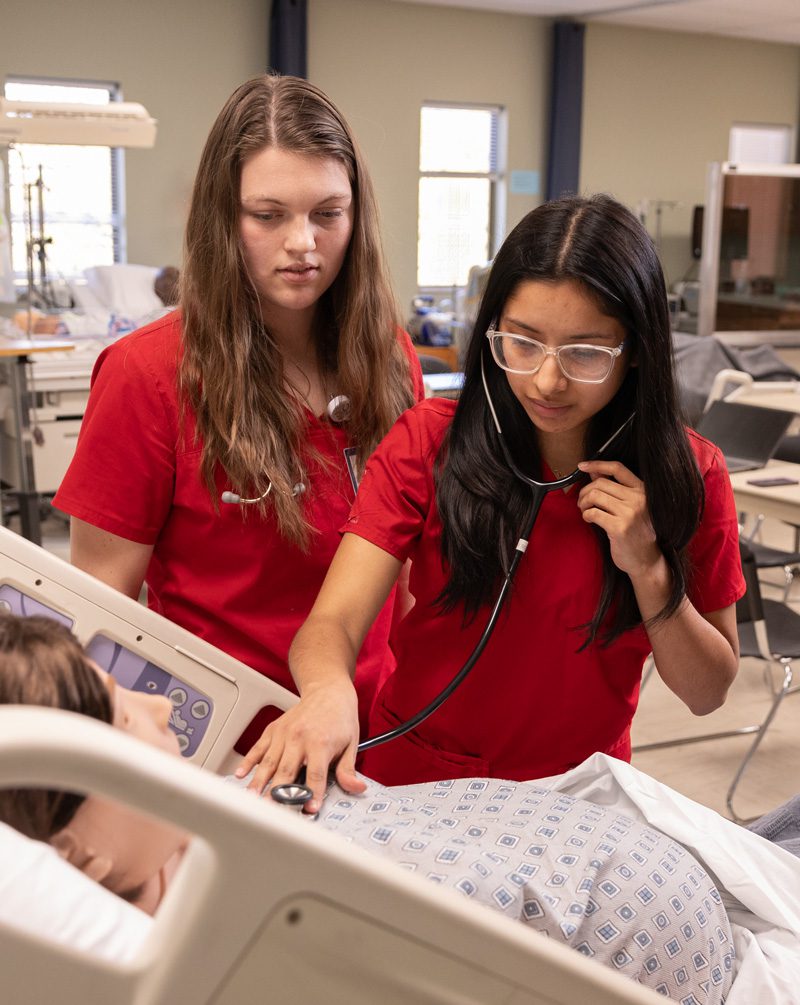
614 889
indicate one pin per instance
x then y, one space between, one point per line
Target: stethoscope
296 794
337 409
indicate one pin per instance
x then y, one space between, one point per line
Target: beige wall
658 106
380 60
179 58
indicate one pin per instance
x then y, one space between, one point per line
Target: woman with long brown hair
221 446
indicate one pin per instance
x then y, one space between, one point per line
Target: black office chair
432 364
775 558
769 630
788 449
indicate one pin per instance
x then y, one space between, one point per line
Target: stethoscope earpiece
236 500
338 408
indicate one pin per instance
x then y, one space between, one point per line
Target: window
754 143
461 210
65 201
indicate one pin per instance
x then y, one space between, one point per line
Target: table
447 353
781 502
759 394
21 349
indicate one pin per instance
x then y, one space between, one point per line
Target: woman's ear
72 848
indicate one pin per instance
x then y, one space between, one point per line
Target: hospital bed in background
267 907
112 300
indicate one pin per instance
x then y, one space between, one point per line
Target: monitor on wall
733 234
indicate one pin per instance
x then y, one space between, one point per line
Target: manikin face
557 314
295 227
118 846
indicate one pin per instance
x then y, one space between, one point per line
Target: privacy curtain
288 37
566 108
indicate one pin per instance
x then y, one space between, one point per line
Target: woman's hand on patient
320 730
615 501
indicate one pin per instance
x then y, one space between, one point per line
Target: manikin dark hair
598 243
42 663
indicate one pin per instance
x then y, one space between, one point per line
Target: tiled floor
702 771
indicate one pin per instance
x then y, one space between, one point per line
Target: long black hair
600 244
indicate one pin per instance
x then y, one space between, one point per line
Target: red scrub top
227 575
532 706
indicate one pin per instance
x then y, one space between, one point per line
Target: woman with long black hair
571 349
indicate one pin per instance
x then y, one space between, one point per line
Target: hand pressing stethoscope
337 411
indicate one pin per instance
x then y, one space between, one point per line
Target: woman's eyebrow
572 338
520 324
257 199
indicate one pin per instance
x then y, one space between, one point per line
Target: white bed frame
234 691
265 907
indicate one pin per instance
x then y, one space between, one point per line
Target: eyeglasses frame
492 331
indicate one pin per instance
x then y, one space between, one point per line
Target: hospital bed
110 300
266 907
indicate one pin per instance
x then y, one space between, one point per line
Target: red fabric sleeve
715 577
122 476
396 494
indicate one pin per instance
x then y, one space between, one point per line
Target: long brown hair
42 663
231 371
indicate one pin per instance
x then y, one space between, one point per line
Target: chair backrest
749 607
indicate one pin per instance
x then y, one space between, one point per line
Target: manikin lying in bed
611 888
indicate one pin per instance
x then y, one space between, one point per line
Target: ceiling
767 20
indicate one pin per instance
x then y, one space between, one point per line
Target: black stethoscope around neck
296 793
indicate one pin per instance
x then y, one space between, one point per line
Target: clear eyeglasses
589 364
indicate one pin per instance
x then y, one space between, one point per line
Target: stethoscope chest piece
292 794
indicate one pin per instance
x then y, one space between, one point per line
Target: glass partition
750 267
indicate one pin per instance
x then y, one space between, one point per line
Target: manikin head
41 663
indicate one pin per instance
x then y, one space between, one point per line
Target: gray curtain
566 109
288 37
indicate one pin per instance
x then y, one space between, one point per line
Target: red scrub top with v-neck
533 705
225 574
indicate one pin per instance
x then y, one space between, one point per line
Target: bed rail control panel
191 709
214 696
16 602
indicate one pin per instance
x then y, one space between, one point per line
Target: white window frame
760 143
497 180
116 169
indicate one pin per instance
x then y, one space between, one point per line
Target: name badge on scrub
350 460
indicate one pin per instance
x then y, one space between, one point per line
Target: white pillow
42 894
124 289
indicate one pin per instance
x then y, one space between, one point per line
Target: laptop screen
749 432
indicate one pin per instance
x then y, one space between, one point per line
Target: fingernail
240 772
583 465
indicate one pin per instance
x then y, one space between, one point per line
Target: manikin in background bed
611 888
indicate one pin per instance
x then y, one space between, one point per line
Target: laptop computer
747 435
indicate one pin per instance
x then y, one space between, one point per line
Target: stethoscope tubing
538 492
